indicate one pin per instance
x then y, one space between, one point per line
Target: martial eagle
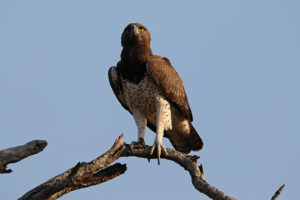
150 89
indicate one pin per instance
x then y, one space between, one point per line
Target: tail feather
194 140
185 142
181 141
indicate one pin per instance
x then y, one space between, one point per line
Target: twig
277 193
88 174
15 154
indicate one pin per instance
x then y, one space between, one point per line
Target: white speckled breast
141 96
144 97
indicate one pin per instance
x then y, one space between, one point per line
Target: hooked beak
134 31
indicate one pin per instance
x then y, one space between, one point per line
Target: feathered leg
141 123
163 122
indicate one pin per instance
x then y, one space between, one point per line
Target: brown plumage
150 89
167 78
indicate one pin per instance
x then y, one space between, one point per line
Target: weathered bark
96 172
188 162
82 175
88 174
15 154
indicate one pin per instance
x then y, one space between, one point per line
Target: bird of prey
150 89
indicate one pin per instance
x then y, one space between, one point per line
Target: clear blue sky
240 63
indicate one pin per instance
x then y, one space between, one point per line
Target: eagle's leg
163 122
141 123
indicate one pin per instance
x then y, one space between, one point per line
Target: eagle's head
135 34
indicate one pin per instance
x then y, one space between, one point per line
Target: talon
151 152
164 150
158 153
138 143
159 148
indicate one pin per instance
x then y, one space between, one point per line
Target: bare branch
188 162
277 193
87 174
15 154
82 175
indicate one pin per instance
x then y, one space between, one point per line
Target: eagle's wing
167 78
116 85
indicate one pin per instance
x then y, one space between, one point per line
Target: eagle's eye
141 29
127 30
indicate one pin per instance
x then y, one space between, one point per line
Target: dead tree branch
189 163
277 193
96 172
82 175
15 154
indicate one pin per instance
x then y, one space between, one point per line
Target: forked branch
81 175
188 162
98 171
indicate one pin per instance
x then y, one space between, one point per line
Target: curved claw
159 147
140 141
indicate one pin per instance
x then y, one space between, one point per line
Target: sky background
240 63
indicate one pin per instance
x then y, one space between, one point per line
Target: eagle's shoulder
156 58
166 77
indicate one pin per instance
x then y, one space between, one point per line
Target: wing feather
116 85
167 78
